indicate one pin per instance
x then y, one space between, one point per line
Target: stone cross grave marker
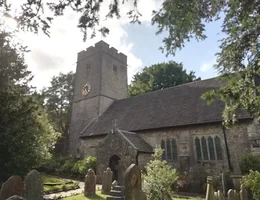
13 186
132 185
90 183
107 181
33 186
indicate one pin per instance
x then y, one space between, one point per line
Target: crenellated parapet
104 47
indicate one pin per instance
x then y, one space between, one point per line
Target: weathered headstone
233 195
33 186
210 191
243 193
15 197
132 181
219 195
107 181
90 183
13 186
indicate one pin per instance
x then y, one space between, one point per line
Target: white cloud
208 66
49 56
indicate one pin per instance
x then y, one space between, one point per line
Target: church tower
101 78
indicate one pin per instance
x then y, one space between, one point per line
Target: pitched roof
176 106
136 141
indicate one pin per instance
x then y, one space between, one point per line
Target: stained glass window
218 148
163 147
211 149
168 150
174 150
198 150
204 148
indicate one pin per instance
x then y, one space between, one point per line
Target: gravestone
132 184
210 191
233 195
243 193
15 197
33 186
90 183
13 186
107 181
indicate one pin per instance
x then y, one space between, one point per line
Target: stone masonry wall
237 140
143 159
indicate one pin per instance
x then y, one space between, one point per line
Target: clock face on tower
85 89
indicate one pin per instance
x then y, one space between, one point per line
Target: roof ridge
169 88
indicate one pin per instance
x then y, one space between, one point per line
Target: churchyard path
69 193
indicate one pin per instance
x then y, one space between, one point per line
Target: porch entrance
114 166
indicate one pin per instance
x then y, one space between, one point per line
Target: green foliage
26 137
58 99
249 162
159 177
252 181
160 76
69 166
97 196
81 167
66 168
53 184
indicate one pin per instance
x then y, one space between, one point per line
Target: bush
49 166
81 167
249 162
252 181
66 168
159 177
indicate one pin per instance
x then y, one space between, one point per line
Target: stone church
120 130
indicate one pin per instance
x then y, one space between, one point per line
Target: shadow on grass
98 196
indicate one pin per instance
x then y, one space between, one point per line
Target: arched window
163 148
174 150
211 149
218 148
208 148
168 150
198 148
204 148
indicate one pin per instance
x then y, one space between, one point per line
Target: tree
160 76
59 98
26 136
159 177
184 20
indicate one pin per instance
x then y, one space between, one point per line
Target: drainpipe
227 150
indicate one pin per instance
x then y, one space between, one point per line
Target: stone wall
114 144
143 159
237 139
105 69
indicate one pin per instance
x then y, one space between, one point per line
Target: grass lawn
52 184
98 196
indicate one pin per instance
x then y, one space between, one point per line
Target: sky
50 56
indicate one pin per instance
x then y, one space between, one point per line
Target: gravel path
68 193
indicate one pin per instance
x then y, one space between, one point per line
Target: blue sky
194 55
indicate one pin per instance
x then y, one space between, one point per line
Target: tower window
114 68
